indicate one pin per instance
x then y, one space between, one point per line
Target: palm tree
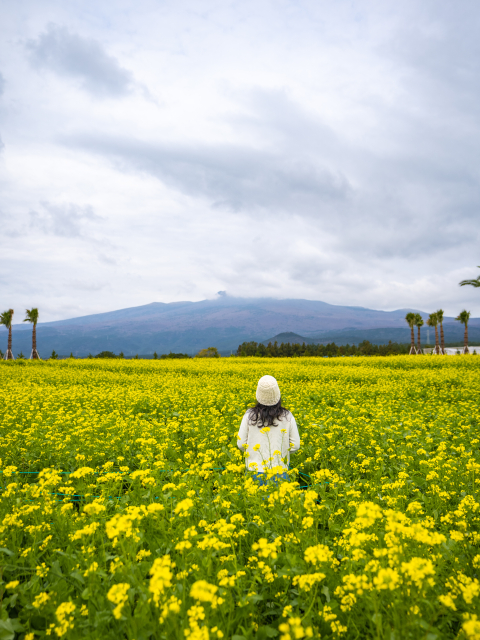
439 313
6 319
418 324
433 322
472 283
410 318
32 316
464 317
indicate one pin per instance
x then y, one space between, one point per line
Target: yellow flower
42 570
118 594
40 600
65 618
448 601
204 592
471 627
12 585
161 577
387 579
183 507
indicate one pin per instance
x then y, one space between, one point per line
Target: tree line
331 350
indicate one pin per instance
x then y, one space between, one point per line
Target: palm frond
472 283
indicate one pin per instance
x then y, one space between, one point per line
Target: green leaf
326 592
7 551
267 632
78 576
17 625
8 628
10 602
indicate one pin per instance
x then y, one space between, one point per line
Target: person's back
268 432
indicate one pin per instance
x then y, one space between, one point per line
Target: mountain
289 336
224 322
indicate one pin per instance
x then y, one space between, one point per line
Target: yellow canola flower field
126 512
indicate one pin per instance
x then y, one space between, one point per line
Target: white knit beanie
268 391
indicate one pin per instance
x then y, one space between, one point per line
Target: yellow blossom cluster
126 511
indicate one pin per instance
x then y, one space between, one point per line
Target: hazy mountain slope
189 326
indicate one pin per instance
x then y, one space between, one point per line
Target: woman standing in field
268 433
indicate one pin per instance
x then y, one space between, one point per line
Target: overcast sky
165 150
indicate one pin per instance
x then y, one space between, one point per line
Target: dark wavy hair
264 416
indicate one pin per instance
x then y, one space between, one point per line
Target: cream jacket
268 447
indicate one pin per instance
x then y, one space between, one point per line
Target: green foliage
410 318
31 315
20 355
6 318
472 283
463 317
174 356
418 320
105 354
331 350
432 320
211 352
54 355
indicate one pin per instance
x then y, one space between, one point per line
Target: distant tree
120 355
211 352
410 318
105 354
20 356
439 313
1 354
136 357
89 356
168 356
464 317
71 355
471 283
433 322
6 319
418 324
54 355
155 355
31 315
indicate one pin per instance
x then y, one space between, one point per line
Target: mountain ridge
224 322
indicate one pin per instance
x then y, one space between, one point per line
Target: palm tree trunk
419 346
412 340
34 342
442 338
465 339
437 350
9 344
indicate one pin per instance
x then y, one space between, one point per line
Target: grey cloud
63 220
71 55
229 176
372 204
